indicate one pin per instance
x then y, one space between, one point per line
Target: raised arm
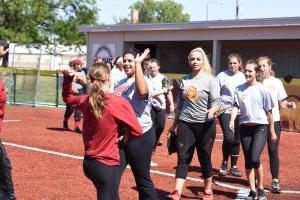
140 81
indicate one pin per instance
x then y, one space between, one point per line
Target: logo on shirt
121 89
191 93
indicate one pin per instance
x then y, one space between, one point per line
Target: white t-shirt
254 101
141 106
278 93
159 101
228 82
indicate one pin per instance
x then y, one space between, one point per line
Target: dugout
170 43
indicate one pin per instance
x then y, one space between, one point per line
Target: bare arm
140 81
271 125
234 113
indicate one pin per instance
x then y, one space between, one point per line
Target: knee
252 164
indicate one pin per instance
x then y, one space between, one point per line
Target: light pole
211 2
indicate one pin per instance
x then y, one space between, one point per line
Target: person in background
279 96
104 114
97 59
79 82
161 93
6 183
255 104
199 100
228 80
117 73
137 89
4 52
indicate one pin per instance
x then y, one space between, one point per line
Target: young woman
228 80
104 113
279 96
6 184
137 90
160 92
255 104
198 101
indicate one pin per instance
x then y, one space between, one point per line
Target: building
278 38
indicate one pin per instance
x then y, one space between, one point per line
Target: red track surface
40 175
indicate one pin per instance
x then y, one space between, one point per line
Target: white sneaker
153 164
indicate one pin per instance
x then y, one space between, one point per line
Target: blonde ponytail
99 74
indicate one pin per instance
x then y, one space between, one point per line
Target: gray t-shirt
198 94
253 101
228 82
141 106
160 101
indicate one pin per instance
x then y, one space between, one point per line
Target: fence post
57 88
15 85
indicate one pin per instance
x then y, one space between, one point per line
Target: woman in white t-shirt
228 80
279 96
255 104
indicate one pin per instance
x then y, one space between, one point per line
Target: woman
279 96
137 90
228 80
255 104
104 113
198 101
160 92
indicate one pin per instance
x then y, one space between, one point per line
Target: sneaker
223 169
235 172
173 195
208 195
153 164
252 196
261 194
65 125
78 130
275 186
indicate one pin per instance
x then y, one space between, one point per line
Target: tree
152 11
46 21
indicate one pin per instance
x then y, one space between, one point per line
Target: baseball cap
77 61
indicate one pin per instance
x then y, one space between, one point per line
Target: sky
249 9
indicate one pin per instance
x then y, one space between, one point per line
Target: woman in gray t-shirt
198 101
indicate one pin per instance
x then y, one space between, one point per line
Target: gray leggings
253 139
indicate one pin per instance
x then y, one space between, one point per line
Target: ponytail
99 74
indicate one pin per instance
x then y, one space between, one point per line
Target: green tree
46 21
152 11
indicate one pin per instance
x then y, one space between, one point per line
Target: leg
160 124
138 153
104 177
6 183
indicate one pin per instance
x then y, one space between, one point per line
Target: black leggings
70 110
138 154
195 135
105 178
159 121
273 151
253 139
231 142
6 183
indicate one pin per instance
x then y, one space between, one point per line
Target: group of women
119 131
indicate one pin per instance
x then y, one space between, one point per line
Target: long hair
98 74
269 61
206 68
239 58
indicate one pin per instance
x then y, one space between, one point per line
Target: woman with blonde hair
198 101
104 114
279 96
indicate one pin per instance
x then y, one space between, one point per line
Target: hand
139 58
274 137
231 125
211 113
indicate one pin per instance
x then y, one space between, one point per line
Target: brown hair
98 74
269 61
238 57
256 67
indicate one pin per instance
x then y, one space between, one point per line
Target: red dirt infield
52 167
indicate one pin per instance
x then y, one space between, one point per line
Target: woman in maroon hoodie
6 184
104 113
